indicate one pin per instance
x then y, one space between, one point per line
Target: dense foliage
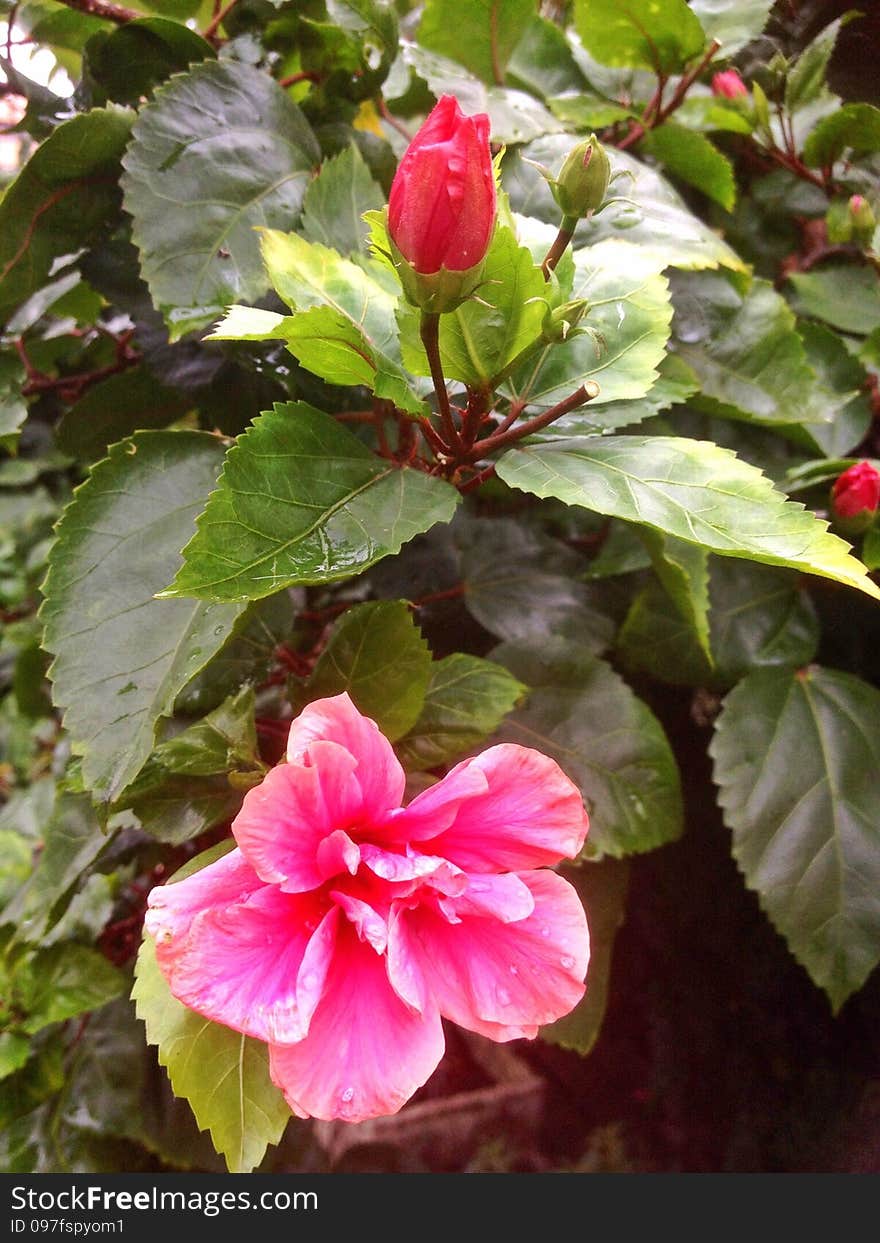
231 485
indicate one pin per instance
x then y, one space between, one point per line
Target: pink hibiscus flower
344 925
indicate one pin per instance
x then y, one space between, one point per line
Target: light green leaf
349 328
805 81
377 654
14 1052
662 35
693 158
121 655
525 587
336 200
60 199
710 114
745 350
480 338
734 23
602 887
13 409
583 715
843 295
587 112
759 617
629 309
852 127
683 569
480 34
276 519
16 863
871 548
122 404
223 149
63 981
652 215
796 757
515 116
223 1074
692 489
466 700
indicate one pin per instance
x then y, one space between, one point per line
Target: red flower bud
856 494
729 85
441 211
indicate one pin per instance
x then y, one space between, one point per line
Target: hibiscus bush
438 521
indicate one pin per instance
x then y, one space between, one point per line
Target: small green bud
560 322
864 222
583 179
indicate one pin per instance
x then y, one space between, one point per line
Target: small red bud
729 85
855 496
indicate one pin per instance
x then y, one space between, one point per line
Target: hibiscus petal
366 1052
171 908
237 962
380 776
530 815
502 980
284 819
505 897
435 809
370 925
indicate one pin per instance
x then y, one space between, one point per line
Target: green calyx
439 292
583 179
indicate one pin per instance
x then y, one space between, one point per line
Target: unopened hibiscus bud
729 85
441 210
855 498
583 180
864 222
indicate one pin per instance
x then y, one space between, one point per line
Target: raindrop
503 997
566 961
545 931
514 970
348 1095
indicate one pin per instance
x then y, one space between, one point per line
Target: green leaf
466 700
223 1074
336 200
121 655
759 617
734 23
373 21
480 338
126 63
805 81
377 653
796 757
14 1052
223 149
117 407
587 112
60 200
710 114
525 587
13 409
745 350
107 1076
602 887
63 981
839 391
683 569
344 330
479 34
16 862
631 312
661 35
542 61
843 295
852 127
245 657
222 742
652 215
273 521
693 158
692 489
583 715
514 115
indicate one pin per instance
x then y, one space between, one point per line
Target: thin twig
560 244
217 20
579 397
102 8
387 115
429 330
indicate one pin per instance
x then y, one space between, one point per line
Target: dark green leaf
734 23
839 391
223 149
223 1075
583 715
128 62
60 200
542 61
116 407
843 295
662 35
683 569
273 521
107 1075
692 489
796 758
121 655
479 34
852 127
466 700
602 887
805 81
525 587
377 653
693 158
63 981
13 410
336 200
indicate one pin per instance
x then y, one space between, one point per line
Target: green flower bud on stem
583 179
